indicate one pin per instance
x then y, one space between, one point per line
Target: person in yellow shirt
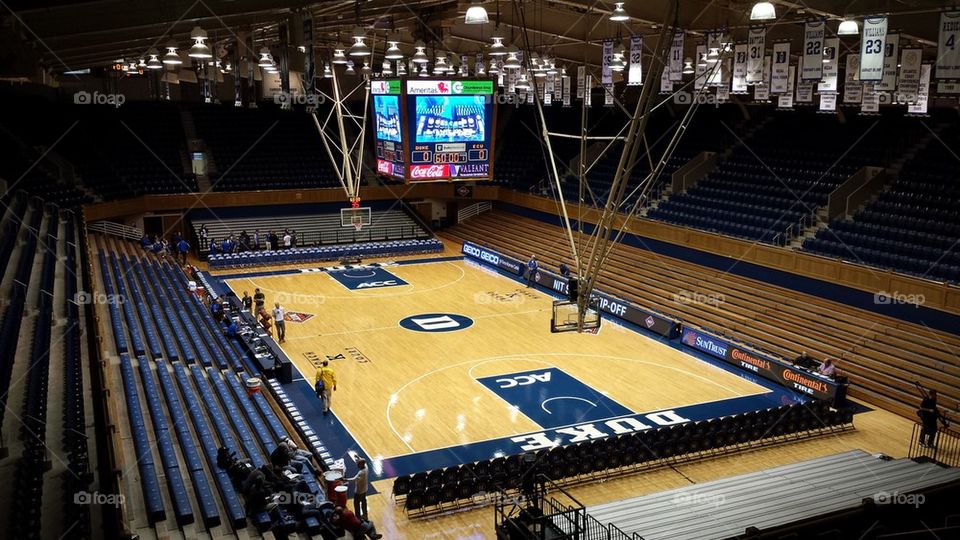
326 383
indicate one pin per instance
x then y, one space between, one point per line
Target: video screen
451 119
387 111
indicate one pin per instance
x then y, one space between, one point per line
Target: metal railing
946 445
115 229
473 210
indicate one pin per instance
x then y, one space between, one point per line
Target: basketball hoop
357 222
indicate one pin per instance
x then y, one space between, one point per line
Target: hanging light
618 63
265 59
497 48
619 14
763 11
702 60
386 69
512 62
420 57
523 83
172 58
359 48
133 67
327 72
423 71
494 70
393 51
350 70
440 65
848 27
199 48
154 62
365 70
480 68
476 14
401 68
141 64
687 66
713 56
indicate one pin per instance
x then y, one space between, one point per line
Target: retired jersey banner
588 90
607 96
581 80
780 69
755 51
891 54
739 69
870 102
701 72
635 71
606 72
761 90
566 90
676 58
813 34
828 102
666 85
557 88
852 88
948 50
920 106
908 86
785 100
831 66
872 49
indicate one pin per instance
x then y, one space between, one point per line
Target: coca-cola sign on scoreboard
429 172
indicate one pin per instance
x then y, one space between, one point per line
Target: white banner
581 80
755 51
948 50
812 60
701 72
548 87
908 86
785 100
780 68
587 90
606 72
828 102
831 66
715 72
607 96
557 87
666 85
761 90
723 93
566 90
805 92
676 57
891 54
635 71
872 49
870 102
739 69
548 98
948 88
920 107
852 87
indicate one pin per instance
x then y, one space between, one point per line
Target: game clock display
388 127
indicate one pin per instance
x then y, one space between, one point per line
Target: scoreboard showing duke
434 130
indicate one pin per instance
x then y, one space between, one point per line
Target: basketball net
357 218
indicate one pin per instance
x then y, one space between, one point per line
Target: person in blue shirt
232 329
158 248
532 266
217 310
214 248
182 248
145 242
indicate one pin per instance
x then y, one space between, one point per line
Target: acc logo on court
436 322
376 284
524 380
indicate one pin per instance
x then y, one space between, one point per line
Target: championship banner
831 66
666 85
715 72
557 87
890 55
755 52
739 83
948 50
478 62
812 61
588 90
785 100
948 88
548 85
676 58
606 72
872 48
780 68
870 102
761 90
723 93
852 88
566 90
805 92
581 80
465 65
920 106
635 70
607 96
546 95
828 102
909 84
701 72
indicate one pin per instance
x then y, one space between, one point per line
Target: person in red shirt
348 521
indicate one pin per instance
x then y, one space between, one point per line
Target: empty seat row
326 253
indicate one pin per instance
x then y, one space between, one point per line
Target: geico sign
524 380
372 284
597 430
481 254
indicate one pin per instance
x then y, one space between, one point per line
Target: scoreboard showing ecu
389 127
450 126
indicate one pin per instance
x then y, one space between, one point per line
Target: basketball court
442 361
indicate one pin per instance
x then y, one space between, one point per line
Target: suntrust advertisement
607 303
766 367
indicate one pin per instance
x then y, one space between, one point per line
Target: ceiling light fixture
199 48
848 27
619 14
476 14
763 11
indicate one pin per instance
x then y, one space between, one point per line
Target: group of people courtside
176 247
236 243
268 320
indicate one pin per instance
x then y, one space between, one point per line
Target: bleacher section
45 458
772 498
914 227
391 248
876 352
183 381
25 169
769 190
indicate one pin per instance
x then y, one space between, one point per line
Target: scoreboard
389 128
448 126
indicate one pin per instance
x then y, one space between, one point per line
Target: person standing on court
929 414
329 378
183 247
203 236
278 321
259 299
287 240
360 493
247 302
532 267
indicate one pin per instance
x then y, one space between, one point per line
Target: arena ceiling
65 35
